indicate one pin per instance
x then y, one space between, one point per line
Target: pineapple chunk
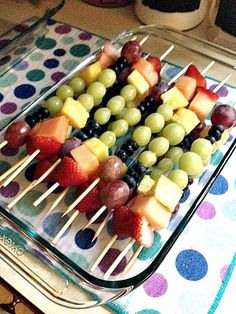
75 112
166 192
99 149
187 118
145 185
91 73
174 98
136 79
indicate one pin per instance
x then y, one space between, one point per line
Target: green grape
97 101
191 163
78 85
129 92
119 127
102 116
107 77
147 158
166 111
53 104
155 122
121 114
159 146
165 164
174 132
132 116
205 161
97 90
87 101
108 138
142 135
116 104
179 177
155 174
174 153
64 91
202 147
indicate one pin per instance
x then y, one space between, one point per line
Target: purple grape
115 194
67 147
158 90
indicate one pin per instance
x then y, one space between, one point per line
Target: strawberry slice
120 224
193 72
156 63
210 94
69 173
41 168
91 202
47 147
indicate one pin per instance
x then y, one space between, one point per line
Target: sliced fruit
91 72
145 185
98 148
137 79
41 168
105 61
187 85
47 147
147 71
91 202
120 226
156 63
193 72
187 118
174 98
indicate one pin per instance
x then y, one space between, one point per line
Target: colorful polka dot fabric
191 275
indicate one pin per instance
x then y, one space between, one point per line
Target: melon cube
145 185
105 61
75 112
156 214
146 69
98 148
187 118
139 82
174 98
91 73
187 85
166 192
85 159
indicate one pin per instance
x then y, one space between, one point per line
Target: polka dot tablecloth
191 278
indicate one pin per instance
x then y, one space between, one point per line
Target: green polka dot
46 43
148 311
4 122
67 40
80 260
44 90
26 207
71 196
148 253
100 42
37 56
22 154
4 166
8 80
216 158
20 51
35 75
70 64
80 50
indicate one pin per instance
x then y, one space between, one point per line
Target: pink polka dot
8 108
222 92
57 76
63 29
223 272
9 151
206 210
108 260
11 190
85 36
155 286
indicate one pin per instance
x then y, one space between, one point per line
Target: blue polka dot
51 22
1 97
83 239
148 311
172 71
230 138
53 224
229 211
59 52
216 158
4 166
22 65
191 265
24 91
185 195
220 186
51 63
79 259
204 177
147 253
29 172
4 60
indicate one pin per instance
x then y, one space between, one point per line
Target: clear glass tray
61 272
19 32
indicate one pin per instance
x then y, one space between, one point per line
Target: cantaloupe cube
174 98
86 159
145 185
166 192
75 112
187 85
155 213
91 72
187 118
98 148
54 129
105 61
35 129
139 82
146 69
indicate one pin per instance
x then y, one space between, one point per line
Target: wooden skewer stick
4 143
95 216
132 260
22 166
104 251
57 201
102 225
118 259
207 68
215 90
168 51
44 195
181 72
13 168
33 184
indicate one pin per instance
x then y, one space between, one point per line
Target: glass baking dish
61 271
19 32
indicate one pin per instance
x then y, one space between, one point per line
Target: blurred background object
109 3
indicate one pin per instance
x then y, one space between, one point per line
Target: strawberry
69 173
91 202
193 72
210 94
120 224
156 63
41 168
47 147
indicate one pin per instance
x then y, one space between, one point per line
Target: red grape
131 51
224 115
111 169
197 130
67 147
115 194
122 76
158 90
16 134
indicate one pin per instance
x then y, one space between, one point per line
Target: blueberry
139 168
130 181
134 174
44 113
211 139
31 121
122 155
